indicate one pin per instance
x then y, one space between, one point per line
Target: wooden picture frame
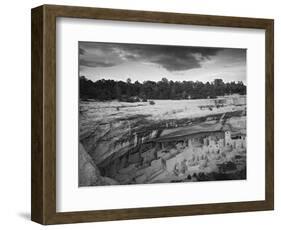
43 205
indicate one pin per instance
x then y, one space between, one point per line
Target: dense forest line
164 89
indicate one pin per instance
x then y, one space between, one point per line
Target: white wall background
15 113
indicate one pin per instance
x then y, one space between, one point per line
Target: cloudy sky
153 62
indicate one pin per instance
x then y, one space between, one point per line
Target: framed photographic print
141 114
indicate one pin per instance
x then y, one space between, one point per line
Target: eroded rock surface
89 173
166 142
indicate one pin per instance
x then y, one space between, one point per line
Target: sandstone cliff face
89 173
110 127
118 139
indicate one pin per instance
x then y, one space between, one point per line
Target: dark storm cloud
96 63
172 58
81 51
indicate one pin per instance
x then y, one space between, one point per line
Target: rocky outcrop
89 173
133 144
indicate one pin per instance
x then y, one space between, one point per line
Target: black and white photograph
152 113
